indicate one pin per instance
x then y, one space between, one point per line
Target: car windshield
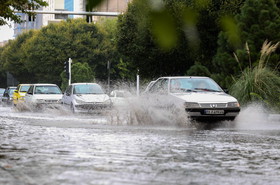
194 85
11 91
24 88
47 90
87 89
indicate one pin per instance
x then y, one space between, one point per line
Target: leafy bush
259 83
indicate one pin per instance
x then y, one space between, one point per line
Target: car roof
24 84
44 84
184 77
84 83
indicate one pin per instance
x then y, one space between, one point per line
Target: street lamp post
70 62
108 67
137 83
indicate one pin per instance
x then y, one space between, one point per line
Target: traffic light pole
69 69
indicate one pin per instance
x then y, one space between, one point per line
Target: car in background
43 95
2 90
200 97
19 93
149 86
85 97
120 98
7 98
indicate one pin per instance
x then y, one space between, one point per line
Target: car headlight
79 101
191 105
233 104
108 101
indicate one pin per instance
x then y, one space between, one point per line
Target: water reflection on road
60 148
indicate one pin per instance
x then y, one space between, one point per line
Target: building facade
36 22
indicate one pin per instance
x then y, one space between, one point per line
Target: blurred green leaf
190 16
190 19
232 31
164 29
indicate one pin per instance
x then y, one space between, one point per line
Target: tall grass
259 82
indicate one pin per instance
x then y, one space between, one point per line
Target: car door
29 95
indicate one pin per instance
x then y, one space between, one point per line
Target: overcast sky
6 33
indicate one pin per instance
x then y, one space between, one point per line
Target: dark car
8 95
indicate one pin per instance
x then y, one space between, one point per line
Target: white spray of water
142 111
255 117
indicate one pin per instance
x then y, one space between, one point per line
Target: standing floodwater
54 148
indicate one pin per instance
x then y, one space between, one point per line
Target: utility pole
108 67
137 83
67 69
70 62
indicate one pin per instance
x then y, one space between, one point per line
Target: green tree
198 70
166 37
47 50
259 20
3 78
136 41
80 72
8 8
12 58
107 49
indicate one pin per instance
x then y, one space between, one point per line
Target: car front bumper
217 113
91 106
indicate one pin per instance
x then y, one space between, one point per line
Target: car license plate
214 112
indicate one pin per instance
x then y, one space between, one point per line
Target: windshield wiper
180 90
206 89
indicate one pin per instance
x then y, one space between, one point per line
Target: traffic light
66 68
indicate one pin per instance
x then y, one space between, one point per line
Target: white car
149 86
84 97
201 97
120 98
39 95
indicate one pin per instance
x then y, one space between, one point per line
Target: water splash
255 117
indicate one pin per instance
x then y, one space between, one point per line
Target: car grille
51 101
92 106
213 105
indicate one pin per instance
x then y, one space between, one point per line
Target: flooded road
60 148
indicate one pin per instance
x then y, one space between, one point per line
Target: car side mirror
226 90
16 91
